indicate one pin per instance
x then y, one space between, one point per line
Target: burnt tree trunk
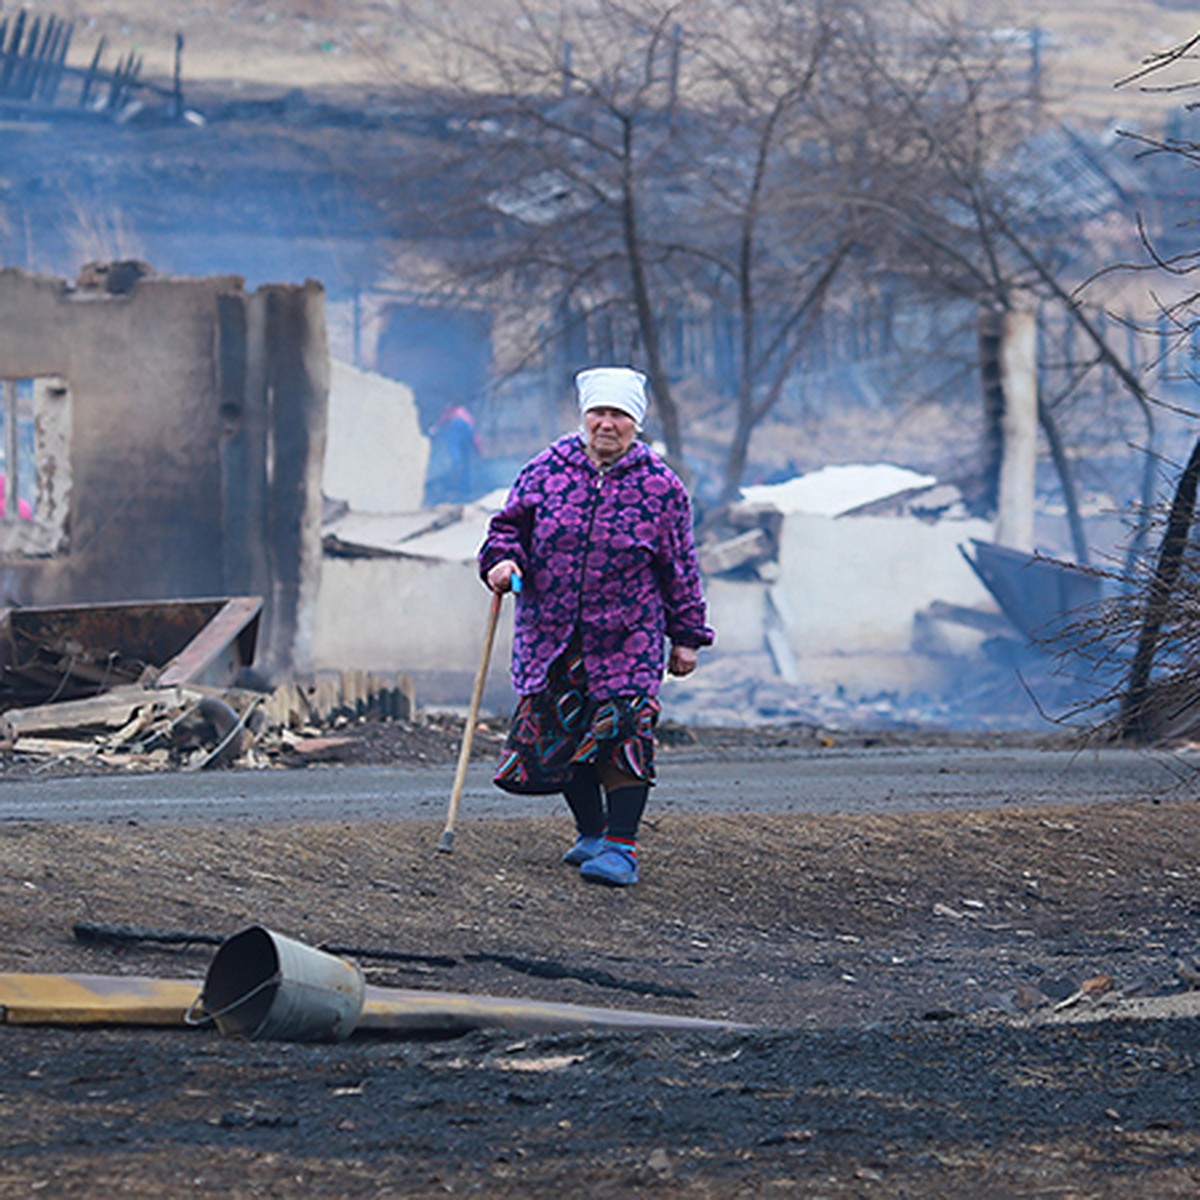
1007 344
1018 458
1062 466
664 401
1134 723
988 334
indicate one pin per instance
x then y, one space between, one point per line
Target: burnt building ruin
163 439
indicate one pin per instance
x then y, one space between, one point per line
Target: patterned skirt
558 728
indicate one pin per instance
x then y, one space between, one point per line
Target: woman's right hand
500 577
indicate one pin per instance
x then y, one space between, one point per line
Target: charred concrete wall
852 586
375 454
190 464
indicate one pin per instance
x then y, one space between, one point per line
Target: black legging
586 800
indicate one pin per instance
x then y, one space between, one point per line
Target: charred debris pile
167 685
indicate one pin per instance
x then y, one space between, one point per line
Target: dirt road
850 779
907 974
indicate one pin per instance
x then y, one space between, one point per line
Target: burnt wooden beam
91 74
177 82
48 58
12 53
55 76
228 640
26 68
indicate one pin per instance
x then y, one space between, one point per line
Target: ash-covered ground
985 1002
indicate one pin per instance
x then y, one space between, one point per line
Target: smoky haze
287 188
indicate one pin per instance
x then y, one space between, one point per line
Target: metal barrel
262 985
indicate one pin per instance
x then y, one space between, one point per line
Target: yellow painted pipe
30 999
399 1011
94 999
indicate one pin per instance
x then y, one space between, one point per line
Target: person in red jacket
599 530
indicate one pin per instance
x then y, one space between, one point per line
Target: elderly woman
599 531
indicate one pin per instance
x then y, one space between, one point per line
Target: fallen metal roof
1040 596
81 650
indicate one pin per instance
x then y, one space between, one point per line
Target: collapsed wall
167 435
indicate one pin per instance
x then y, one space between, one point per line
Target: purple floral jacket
609 553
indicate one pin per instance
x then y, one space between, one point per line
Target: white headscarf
613 387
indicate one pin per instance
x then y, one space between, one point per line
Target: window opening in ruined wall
33 478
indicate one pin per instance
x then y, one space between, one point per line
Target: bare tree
636 158
921 121
564 150
1159 688
982 226
615 163
1142 643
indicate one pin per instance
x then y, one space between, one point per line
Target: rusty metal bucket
262 985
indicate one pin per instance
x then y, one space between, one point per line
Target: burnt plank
12 53
92 73
235 626
27 64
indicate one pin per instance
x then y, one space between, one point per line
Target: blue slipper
585 849
615 865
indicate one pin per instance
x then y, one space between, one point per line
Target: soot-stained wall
191 460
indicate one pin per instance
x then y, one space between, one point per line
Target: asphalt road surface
920 779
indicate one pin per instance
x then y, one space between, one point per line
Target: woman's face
610 432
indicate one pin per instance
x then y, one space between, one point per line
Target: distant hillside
1086 45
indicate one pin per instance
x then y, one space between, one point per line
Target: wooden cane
446 843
